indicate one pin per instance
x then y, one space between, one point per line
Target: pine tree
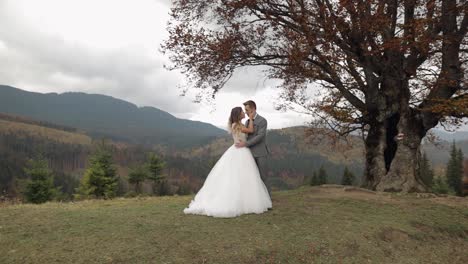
348 177
322 176
307 180
425 171
40 186
315 180
100 179
454 170
155 168
441 186
183 189
465 178
137 176
164 188
459 171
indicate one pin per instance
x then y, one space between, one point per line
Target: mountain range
105 116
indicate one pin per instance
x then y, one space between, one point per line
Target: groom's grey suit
256 141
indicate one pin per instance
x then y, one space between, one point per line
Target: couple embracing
236 183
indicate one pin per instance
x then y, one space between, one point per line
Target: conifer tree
155 167
314 181
348 177
40 186
137 176
100 179
425 171
322 176
454 172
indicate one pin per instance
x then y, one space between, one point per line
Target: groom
256 141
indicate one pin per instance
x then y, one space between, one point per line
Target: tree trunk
392 161
375 163
402 156
392 164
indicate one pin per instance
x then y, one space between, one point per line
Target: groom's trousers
263 167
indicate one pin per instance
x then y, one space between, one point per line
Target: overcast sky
111 47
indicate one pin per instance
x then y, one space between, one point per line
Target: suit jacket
256 141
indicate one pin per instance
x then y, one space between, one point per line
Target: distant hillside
292 162
106 116
292 140
293 157
450 136
439 153
26 120
36 130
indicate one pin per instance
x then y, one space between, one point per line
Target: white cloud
107 47
111 47
264 99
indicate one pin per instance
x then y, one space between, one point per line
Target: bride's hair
234 124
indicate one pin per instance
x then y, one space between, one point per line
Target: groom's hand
240 144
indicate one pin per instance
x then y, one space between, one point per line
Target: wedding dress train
233 187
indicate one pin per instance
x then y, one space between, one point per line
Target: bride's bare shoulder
237 126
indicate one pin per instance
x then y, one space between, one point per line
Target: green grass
307 225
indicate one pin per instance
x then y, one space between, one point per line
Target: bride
233 187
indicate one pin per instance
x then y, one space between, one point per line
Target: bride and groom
235 185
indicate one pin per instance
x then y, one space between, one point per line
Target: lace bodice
239 136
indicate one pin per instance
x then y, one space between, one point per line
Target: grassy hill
36 130
307 225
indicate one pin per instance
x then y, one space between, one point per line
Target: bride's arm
249 129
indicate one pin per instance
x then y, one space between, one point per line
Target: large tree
392 69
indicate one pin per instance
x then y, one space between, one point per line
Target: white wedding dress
233 187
